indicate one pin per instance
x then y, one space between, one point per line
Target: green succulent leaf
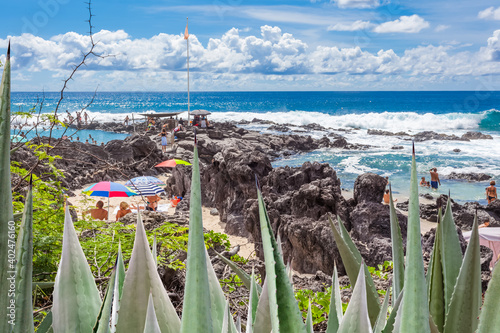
285 313
309 320
217 298
76 300
142 279
382 316
415 306
351 258
398 272
391 321
227 321
489 320
153 251
356 319
244 277
46 324
253 302
117 288
335 315
7 225
151 325
103 319
24 270
451 254
463 312
435 281
196 311
262 321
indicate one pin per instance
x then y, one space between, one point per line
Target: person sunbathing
97 213
124 210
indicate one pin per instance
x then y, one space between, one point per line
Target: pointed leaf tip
413 147
31 180
257 182
195 140
8 51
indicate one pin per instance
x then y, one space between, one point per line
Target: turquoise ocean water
412 112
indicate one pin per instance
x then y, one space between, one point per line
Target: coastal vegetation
36 247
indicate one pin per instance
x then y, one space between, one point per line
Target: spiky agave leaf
102 324
253 302
151 325
244 277
489 320
356 319
227 321
351 258
24 269
106 321
451 254
46 324
285 313
335 314
196 311
217 298
463 312
262 319
238 324
415 307
76 300
118 288
391 320
309 319
382 316
398 271
153 251
7 225
435 288
142 279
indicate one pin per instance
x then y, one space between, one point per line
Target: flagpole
187 42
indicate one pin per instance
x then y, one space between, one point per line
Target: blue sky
257 45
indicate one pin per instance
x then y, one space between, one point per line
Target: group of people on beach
434 180
99 213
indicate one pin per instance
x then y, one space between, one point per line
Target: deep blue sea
444 112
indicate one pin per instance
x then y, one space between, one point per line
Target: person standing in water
491 192
435 179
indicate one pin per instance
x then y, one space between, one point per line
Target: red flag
186 34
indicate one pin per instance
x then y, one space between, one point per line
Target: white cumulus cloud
490 13
405 24
354 26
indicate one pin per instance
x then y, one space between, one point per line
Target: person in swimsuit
435 179
98 213
152 202
423 182
491 192
124 210
164 142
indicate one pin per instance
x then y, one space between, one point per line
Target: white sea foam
390 121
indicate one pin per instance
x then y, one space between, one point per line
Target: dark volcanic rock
476 136
386 133
371 220
369 187
278 128
397 147
470 177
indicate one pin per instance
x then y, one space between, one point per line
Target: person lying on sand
97 213
153 202
124 210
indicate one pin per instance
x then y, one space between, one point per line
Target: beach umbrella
171 163
108 190
144 180
146 189
200 113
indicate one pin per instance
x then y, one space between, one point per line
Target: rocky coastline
300 200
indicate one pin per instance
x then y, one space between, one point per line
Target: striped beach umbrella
146 189
144 180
